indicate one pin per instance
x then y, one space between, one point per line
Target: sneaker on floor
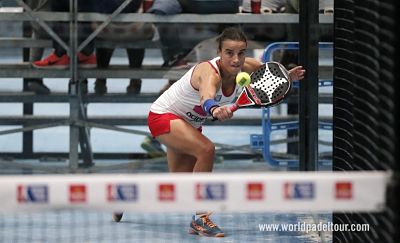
152 147
117 217
204 226
52 62
86 61
38 88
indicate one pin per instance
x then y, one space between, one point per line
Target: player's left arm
296 73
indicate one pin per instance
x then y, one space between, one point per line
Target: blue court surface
80 226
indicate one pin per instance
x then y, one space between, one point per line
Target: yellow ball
243 79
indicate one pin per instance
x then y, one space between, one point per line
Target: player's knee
207 149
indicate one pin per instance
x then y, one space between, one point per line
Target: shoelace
208 222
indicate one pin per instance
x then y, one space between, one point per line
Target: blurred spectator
290 6
267 6
170 34
36 54
121 32
59 58
178 40
265 32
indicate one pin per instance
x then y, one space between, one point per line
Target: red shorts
160 123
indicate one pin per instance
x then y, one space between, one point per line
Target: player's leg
180 162
189 150
188 140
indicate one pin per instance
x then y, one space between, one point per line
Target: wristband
208 105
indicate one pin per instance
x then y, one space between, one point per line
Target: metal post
74 103
27 137
309 86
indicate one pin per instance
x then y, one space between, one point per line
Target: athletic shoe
38 87
55 62
204 226
153 147
117 217
86 61
52 62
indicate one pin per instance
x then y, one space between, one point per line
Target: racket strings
269 83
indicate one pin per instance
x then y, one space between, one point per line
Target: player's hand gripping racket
269 85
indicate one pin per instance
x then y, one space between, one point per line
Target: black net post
308 117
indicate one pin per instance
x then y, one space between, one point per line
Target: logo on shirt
210 191
122 192
299 190
194 117
255 191
343 190
32 193
77 193
166 192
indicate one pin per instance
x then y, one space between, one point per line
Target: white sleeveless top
183 100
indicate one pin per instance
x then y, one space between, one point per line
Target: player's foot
204 226
117 217
52 62
153 147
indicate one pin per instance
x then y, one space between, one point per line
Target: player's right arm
207 81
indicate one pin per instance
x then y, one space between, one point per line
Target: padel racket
269 85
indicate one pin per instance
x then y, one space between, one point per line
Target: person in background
36 53
121 32
59 58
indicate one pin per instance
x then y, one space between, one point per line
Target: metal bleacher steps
24 70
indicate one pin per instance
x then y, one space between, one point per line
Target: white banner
229 192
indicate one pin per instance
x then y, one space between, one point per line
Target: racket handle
234 107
